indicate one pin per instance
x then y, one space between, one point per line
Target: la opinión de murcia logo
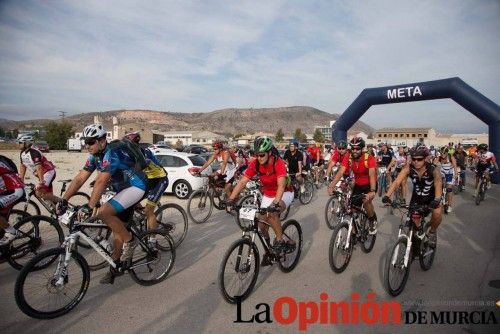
288 311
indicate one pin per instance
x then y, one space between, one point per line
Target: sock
11 230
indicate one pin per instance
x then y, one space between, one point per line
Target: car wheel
182 189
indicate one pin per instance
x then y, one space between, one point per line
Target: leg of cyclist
7 200
157 188
45 189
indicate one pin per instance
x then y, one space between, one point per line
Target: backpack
366 154
132 149
12 166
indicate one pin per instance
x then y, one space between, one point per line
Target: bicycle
407 247
31 207
482 186
307 194
39 275
34 234
336 203
444 196
353 228
382 180
202 201
459 184
319 173
240 265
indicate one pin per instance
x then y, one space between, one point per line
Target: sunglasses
90 141
261 155
343 149
356 148
418 159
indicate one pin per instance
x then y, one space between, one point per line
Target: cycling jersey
423 187
11 186
401 160
121 167
361 176
313 151
337 158
485 159
32 158
293 160
268 178
447 170
154 170
384 158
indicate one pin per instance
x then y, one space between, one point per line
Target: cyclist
277 192
157 182
485 162
338 155
365 180
384 159
11 191
461 159
314 151
117 166
37 164
293 159
427 188
400 160
448 167
227 167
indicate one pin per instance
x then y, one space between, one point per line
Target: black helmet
482 147
342 144
357 142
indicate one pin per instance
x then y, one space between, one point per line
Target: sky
200 56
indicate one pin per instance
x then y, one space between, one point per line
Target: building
406 136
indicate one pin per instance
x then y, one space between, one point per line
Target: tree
2 132
301 137
318 136
279 135
57 134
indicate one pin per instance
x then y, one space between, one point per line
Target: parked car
196 149
41 145
161 146
181 168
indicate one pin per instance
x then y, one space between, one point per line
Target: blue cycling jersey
120 165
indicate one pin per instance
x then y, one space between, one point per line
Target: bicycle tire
32 208
179 221
331 218
426 261
337 244
367 239
33 239
292 234
79 199
218 200
284 213
484 188
24 303
199 200
306 196
244 248
398 267
145 256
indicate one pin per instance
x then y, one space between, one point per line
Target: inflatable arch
452 88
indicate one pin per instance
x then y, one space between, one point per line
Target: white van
74 144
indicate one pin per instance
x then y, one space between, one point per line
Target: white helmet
94 131
26 139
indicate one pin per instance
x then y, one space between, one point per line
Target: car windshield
197 160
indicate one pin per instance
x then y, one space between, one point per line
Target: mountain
228 121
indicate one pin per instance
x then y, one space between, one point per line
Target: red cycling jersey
336 157
268 179
361 177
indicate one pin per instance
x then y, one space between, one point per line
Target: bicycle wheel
239 270
219 198
79 199
29 207
46 292
292 235
149 265
246 201
339 255
284 214
332 212
426 255
306 196
479 194
484 187
35 234
173 219
397 273
367 239
199 206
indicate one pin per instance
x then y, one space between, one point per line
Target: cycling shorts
126 198
48 178
358 190
8 199
448 177
287 198
158 188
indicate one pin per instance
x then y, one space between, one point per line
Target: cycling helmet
133 136
26 139
342 144
482 147
357 142
294 143
94 131
420 151
217 144
262 144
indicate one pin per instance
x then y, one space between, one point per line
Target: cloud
201 56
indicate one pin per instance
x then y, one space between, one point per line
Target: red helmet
133 136
357 142
217 144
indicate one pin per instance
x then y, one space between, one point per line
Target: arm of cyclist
454 164
22 171
372 174
236 191
101 182
39 173
336 179
281 189
438 183
391 164
224 162
397 182
331 163
207 163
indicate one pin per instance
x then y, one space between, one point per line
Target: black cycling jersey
385 158
423 187
293 160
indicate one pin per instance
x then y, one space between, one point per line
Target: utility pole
63 114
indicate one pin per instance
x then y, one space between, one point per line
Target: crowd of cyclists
134 174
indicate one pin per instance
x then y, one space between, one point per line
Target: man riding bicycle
227 167
427 188
314 151
293 159
117 166
277 193
397 164
365 181
485 162
11 191
338 155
